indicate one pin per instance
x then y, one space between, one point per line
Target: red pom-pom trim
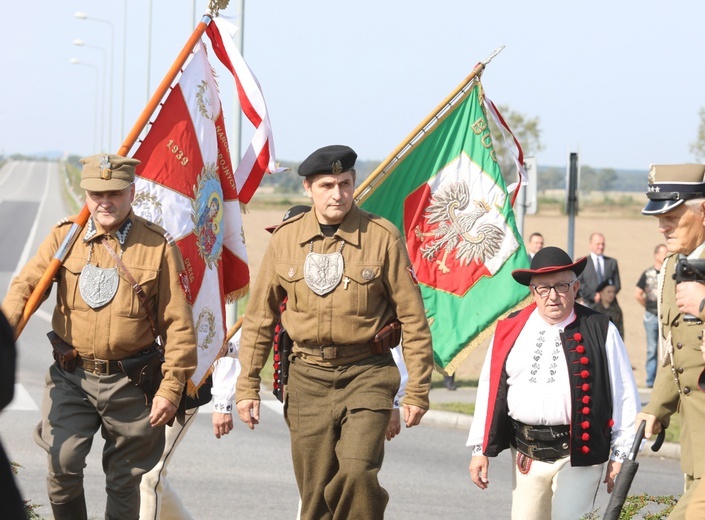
577 336
585 374
585 450
586 410
584 360
586 387
585 437
610 423
585 425
586 399
580 349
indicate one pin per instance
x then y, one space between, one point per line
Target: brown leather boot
72 510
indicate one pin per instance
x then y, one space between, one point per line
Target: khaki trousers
337 417
75 406
691 505
556 491
158 499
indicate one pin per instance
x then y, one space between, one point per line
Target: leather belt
100 367
544 443
333 351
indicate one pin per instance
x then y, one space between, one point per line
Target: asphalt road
245 475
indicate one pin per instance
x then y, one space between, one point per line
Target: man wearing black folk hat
100 326
677 198
346 274
558 388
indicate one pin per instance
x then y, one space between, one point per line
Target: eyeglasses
544 290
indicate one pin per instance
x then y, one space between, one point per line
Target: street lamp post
75 61
81 43
84 16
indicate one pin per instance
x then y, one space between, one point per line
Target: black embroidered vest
584 345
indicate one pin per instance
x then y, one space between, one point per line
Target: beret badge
336 167
105 167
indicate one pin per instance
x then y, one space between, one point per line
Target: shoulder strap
135 286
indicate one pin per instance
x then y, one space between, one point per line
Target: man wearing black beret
350 291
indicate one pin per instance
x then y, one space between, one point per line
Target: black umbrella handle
659 441
637 440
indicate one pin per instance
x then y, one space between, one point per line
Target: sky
619 82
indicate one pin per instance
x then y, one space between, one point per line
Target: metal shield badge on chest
323 272
97 285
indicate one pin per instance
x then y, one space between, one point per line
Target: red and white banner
186 184
259 158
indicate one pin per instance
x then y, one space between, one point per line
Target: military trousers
75 406
337 417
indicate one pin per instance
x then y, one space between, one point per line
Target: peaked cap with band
107 172
670 185
333 159
549 260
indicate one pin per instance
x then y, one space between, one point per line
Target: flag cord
48 277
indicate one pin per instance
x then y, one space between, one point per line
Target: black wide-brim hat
549 260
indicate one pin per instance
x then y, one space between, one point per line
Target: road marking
30 238
22 401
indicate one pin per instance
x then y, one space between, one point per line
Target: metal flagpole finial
214 6
491 56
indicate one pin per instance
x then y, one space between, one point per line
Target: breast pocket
366 288
68 293
127 303
291 278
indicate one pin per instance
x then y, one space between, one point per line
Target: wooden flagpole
47 278
365 187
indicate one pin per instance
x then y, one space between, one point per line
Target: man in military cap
101 325
346 275
677 198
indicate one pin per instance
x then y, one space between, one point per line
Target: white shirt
547 401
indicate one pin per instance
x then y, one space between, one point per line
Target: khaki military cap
670 185
107 172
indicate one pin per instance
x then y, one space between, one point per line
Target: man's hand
412 415
688 297
653 426
248 410
613 469
479 470
222 423
394 426
162 411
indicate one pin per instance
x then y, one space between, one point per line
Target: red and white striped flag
186 184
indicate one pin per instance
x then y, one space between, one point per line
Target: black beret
331 159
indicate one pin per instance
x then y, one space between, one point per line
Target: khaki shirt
676 385
118 329
377 285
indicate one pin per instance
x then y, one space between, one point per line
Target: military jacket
118 329
378 284
676 385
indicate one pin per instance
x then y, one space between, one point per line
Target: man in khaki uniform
345 274
677 198
100 315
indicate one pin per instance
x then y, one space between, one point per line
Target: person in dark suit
599 268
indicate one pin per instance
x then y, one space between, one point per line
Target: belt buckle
101 367
334 351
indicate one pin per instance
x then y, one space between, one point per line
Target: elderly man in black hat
677 198
557 388
348 281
